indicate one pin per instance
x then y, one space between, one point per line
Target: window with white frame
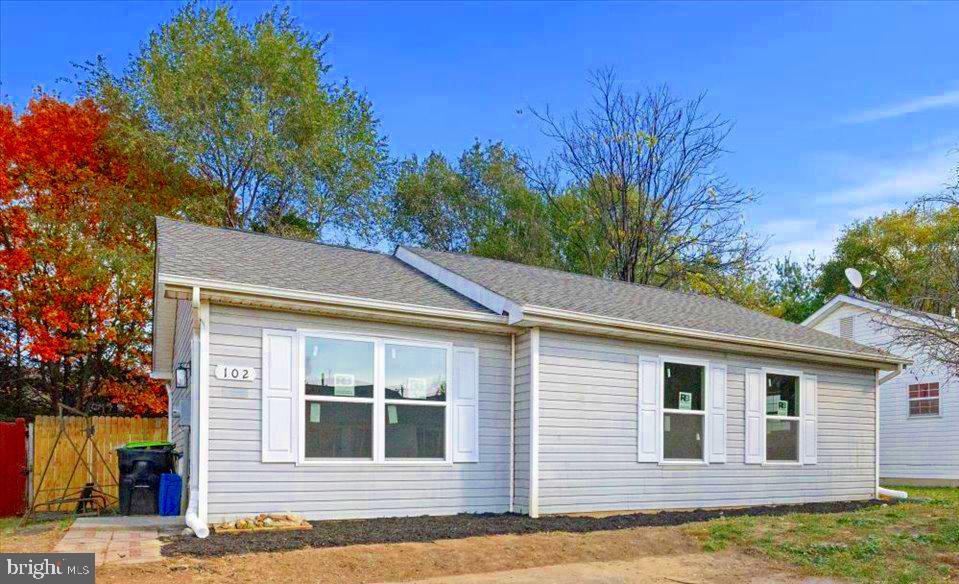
684 411
416 401
782 417
374 399
338 388
923 399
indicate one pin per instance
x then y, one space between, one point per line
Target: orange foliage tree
76 234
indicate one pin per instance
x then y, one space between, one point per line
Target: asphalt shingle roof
533 286
197 251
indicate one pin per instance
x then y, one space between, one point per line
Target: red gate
13 467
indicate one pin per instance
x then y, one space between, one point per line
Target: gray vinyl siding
521 428
240 484
918 447
182 344
588 440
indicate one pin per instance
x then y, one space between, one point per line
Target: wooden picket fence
110 433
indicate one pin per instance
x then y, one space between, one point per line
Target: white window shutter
755 417
279 395
717 413
650 413
465 405
807 398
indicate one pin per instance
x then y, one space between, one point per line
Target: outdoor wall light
182 377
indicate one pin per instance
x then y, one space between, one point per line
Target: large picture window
684 414
782 417
373 399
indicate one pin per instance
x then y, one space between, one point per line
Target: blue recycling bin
171 484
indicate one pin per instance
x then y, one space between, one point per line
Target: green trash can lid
148 444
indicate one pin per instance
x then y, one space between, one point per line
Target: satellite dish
854 277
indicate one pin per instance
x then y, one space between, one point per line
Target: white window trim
909 400
798 419
378 400
704 363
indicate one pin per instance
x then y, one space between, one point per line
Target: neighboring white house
919 412
340 383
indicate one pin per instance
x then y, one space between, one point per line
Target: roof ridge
270 235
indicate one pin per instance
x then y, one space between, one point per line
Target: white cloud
945 99
904 181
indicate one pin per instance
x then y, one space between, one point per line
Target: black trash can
141 464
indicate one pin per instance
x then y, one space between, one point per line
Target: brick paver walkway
115 540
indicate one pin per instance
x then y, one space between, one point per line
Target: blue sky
841 111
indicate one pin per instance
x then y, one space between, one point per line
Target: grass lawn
916 541
10 526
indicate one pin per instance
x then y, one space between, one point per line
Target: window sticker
416 388
783 408
391 415
314 413
344 384
685 400
772 403
666 422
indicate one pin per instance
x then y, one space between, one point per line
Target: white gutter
572 318
196 510
892 375
332 299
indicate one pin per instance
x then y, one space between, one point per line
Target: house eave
274 298
609 326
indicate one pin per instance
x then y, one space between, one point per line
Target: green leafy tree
480 205
250 109
793 290
902 256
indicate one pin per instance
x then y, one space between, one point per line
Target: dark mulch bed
427 528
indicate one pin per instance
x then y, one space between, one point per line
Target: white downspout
879 381
193 515
534 423
512 416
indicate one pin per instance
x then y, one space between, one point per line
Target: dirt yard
651 554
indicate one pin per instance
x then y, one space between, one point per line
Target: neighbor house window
684 414
338 417
782 417
924 399
353 385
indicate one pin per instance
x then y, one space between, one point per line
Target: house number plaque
232 373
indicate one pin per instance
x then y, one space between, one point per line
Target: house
919 416
339 383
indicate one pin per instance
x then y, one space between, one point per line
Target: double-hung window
923 399
374 399
416 401
782 417
339 392
684 411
